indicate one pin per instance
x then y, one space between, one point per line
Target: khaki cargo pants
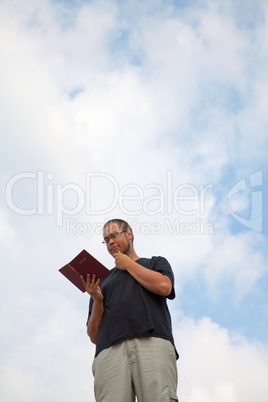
140 366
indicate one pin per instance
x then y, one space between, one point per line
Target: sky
154 112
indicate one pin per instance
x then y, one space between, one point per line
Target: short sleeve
161 264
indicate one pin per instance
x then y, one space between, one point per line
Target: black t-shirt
130 309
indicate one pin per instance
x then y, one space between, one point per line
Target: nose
111 239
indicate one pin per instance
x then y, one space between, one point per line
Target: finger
83 281
88 279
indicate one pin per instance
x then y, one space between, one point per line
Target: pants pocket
173 396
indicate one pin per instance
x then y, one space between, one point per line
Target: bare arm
94 322
153 281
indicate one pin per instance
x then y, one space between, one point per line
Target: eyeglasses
112 236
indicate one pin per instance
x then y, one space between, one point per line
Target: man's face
121 243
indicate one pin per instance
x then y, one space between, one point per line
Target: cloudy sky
151 111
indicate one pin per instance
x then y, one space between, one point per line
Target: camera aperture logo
252 188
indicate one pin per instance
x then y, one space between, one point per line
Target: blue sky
155 112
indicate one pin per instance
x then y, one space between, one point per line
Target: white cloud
171 111
7 232
54 361
236 260
218 366
162 96
224 45
51 353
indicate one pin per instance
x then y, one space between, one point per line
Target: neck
132 254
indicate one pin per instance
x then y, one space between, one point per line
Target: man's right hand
92 287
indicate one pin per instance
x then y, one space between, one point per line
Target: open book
83 264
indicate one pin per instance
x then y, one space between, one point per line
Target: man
130 324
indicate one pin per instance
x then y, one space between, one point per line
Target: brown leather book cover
83 264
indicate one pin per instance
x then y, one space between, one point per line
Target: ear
129 233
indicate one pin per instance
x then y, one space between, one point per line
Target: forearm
95 320
153 281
